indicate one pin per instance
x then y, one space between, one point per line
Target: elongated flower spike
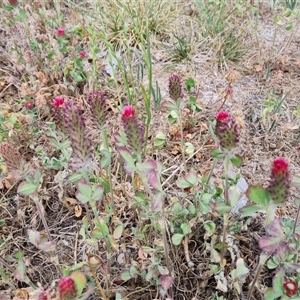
226 130
133 130
80 139
279 186
175 90
57 105
96 101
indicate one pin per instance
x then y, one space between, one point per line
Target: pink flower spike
128 113
58 102
60 32
82 54
280 166
222 115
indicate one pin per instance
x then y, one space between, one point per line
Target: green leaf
189 84
209 226
96 234
216 153
27 188
186 229
97 193
258 195
248 210
177 238
159 140
118 231
77 77
105 159
125 275
84 192
236 160
80 281
75 177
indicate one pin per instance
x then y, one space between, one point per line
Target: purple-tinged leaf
148 165
269 244
34 237
157 201
126 155
47 246
166 282
191 177
275 229
154 180
258 195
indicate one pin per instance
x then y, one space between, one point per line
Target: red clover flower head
128 113
133 130
58 102
226 130
67 289
290 287
175 91
60 32
82 54
279 186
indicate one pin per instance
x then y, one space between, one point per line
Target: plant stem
296 219
226 215
181 137
106 145
262 260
